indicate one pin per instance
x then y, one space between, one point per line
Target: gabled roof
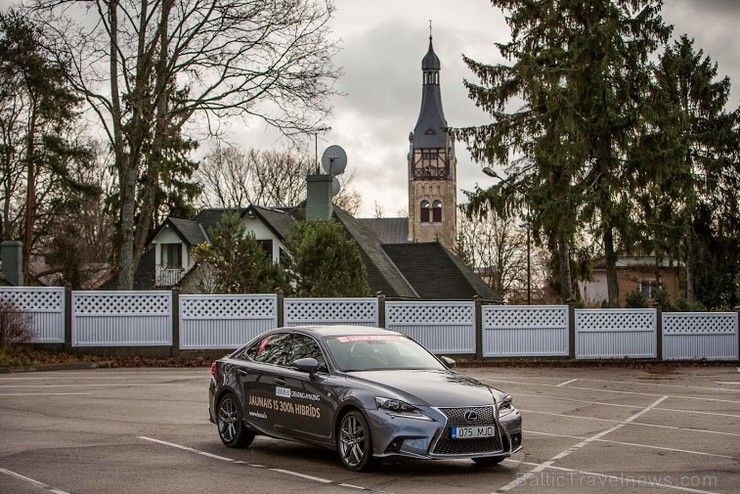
208 218
388 230
279 220
436 273
382 274
190 231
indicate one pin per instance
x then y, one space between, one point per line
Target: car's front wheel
354 442
230 423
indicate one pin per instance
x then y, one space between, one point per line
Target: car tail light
213 370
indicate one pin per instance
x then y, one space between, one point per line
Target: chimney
318 197
11 254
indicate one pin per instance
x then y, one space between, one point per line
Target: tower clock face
431 164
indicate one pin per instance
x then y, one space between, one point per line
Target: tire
354 442
489 461
230 423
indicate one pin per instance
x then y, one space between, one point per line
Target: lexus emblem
470 416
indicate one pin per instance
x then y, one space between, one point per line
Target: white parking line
31 481
523 478
253 465
565 383
616 391
107 385
699 412
624 443
641 424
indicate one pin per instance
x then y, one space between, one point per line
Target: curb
50 367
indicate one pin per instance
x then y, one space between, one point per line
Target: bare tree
233 178
149 68
496 249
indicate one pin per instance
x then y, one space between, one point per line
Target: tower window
425 211
437 212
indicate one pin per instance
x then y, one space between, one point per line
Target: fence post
571 328
737 309
659 331
67 318
478 327
280 307
175 321
381 309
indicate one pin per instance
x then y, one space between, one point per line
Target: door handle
242 372
280 381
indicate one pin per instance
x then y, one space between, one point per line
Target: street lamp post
492 173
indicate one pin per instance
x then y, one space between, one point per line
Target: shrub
15 326
635 300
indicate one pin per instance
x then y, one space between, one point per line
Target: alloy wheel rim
352 441
227 419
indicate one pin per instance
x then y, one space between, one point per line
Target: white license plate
473 432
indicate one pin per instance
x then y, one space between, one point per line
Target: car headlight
506 406
399 408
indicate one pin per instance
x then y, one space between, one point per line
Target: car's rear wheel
230 423
354 442
488 461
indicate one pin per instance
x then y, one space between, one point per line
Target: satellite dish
334 160
335 186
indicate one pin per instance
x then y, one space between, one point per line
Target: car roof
341 330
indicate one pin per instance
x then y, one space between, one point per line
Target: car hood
438 388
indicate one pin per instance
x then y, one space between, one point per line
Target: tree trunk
30 217
612 284
689 267
566 287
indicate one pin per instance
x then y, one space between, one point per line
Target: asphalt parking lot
667 429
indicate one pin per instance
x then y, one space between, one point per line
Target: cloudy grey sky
383 42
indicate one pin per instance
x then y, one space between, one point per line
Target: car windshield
380 352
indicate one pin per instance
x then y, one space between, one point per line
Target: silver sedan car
367 393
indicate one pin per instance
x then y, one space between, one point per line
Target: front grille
455 418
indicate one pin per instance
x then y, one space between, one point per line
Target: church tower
432 165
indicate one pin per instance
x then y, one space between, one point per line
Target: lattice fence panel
352 311
45 309
224 321
616 333
518 331
129 303
122 318
442 327
700 335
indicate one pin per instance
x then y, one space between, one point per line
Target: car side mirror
450 363
308 364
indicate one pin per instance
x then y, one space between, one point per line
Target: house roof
190 231
388 230
436 273
382 274
635 262
401 270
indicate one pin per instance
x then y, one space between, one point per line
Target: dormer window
172 255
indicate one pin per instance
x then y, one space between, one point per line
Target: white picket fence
442 327
224 321
45 306
616 333
525 331
134 319
704 335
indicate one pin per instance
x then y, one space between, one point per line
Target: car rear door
258 379
306 401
